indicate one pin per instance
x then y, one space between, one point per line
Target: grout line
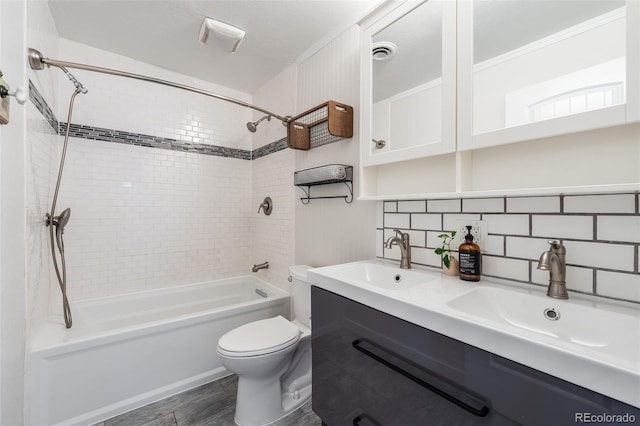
504 245
595 284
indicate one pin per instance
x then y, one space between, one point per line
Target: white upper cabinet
500 97
408 83
530 69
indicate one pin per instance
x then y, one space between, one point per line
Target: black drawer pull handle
482 412
361 417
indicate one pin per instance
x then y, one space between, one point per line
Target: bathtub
124 352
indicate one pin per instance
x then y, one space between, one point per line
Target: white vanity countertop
595 343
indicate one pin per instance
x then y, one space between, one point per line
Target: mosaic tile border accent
41 105
130 138
270 148
118 136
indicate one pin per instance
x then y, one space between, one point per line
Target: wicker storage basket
326 123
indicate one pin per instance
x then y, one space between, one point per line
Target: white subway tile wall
486 205
601 234
412 206
613 203
557 226
41 155
619 228
272 236
151 109
533 205
145 218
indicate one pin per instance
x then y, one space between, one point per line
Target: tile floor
212 404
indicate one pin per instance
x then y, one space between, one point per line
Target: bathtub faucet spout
264 265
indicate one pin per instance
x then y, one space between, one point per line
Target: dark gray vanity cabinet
371 368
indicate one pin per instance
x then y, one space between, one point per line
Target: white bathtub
126 351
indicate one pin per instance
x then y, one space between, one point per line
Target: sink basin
387 277
593 327
591 342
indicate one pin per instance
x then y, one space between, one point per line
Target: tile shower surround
130 138
601 234
181 173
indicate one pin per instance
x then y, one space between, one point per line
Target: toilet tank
300 294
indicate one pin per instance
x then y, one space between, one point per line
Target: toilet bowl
272 358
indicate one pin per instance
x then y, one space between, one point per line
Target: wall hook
20 94
266 206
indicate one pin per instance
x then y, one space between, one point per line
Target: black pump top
468 237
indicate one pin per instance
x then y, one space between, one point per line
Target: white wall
331 231
12 224
278 96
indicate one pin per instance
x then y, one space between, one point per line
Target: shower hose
52 221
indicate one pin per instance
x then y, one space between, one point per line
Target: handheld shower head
60 222
75 82
254 126
63 218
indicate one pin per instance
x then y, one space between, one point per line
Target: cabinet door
367 370
529 69
408 83
371 368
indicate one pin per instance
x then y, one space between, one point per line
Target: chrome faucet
402 240
554 261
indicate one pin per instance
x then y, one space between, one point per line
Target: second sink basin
593 327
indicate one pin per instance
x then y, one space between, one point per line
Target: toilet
272 358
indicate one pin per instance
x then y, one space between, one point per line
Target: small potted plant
450 263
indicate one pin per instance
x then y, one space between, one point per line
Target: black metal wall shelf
324 175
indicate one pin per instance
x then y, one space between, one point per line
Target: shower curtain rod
37 62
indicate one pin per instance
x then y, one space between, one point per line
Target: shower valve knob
266 206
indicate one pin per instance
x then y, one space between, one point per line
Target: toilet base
261 402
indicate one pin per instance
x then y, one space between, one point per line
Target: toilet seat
259 338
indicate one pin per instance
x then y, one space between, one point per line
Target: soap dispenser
470 260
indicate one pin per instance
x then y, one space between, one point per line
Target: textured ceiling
165 33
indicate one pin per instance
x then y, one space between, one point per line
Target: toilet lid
259 337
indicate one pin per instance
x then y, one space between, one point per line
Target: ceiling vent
225 35
383 50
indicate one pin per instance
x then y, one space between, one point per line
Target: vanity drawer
370 368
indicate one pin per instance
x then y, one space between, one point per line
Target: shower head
253 126
63 218
60 222
75 82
